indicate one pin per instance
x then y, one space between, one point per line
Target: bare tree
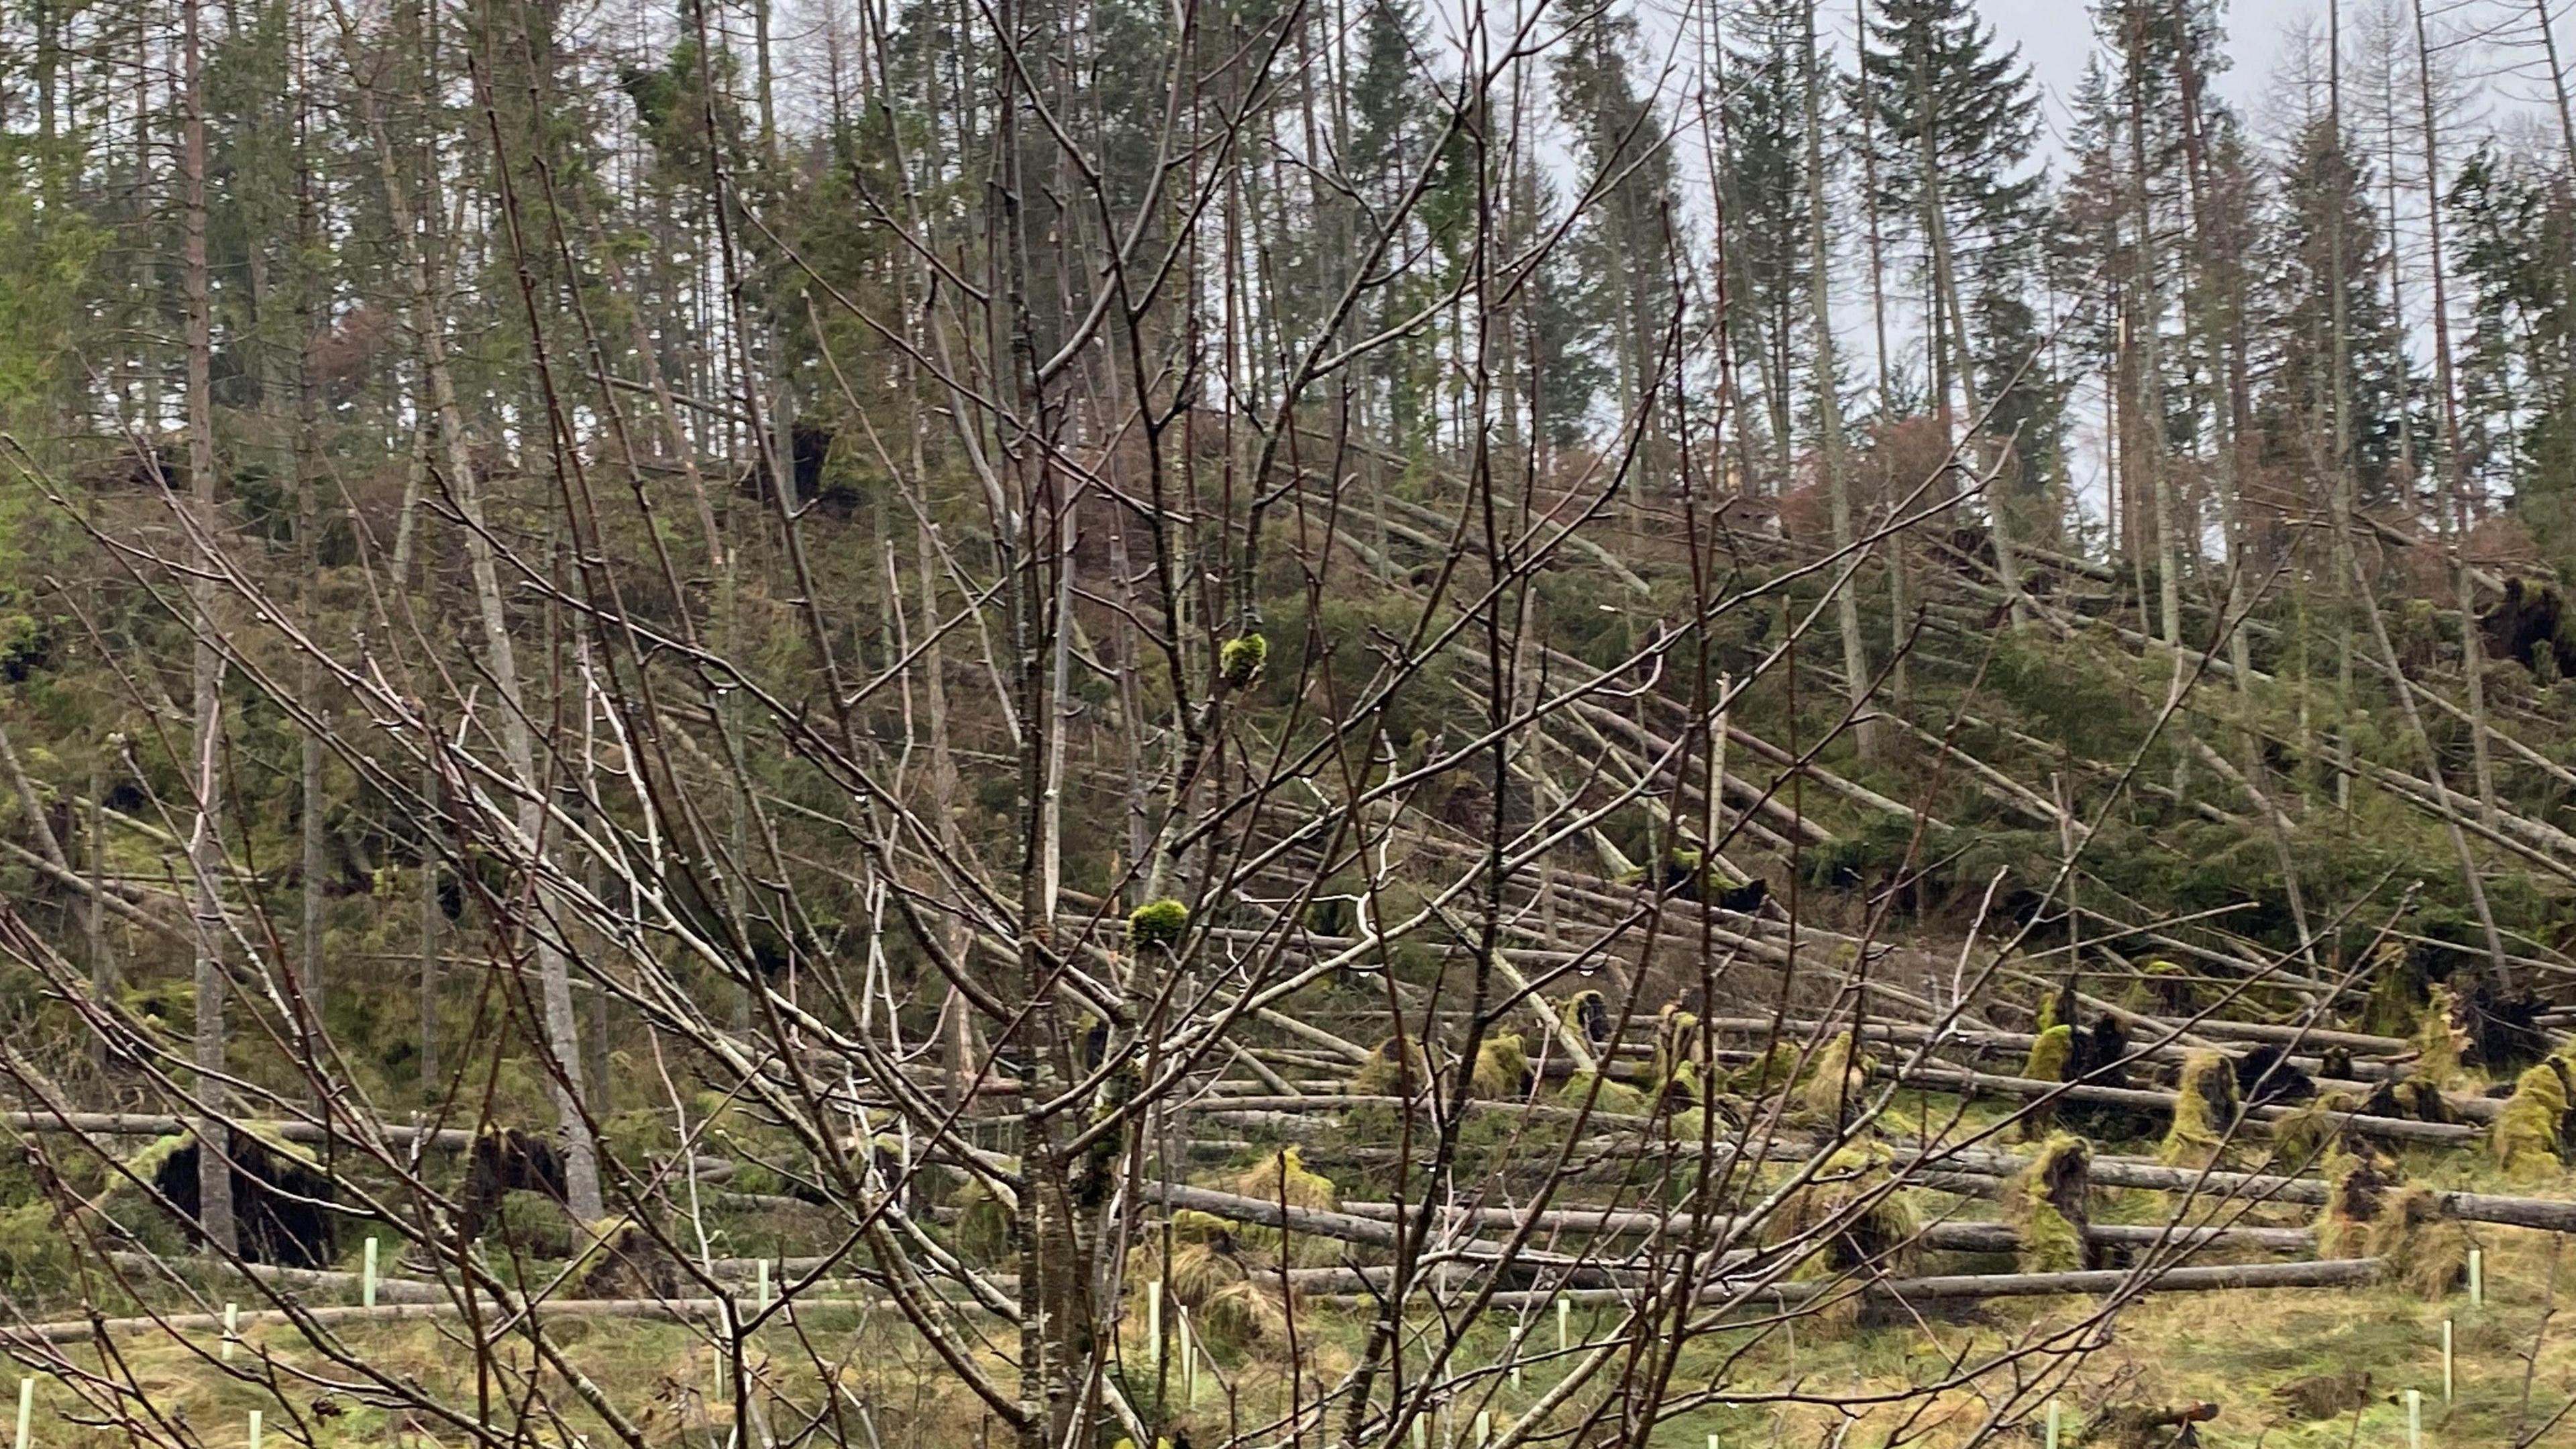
1025 869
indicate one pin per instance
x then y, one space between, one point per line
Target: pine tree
1623 237
2318 175
1762 179
2514 233
1392 131
2010 339
2127 151
206 854
1566 369
1957 121
1390 107
1957 116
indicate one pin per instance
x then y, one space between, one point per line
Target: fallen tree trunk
1907 1033
2326 1273
145 1124
1956 1237
1253 1107
1261 1111
1966 1169
1961 1079
1316 1222
2266 1031
1377 1223
2549 1215
293 1280
707 1312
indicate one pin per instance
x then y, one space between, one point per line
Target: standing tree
1959 119
206 852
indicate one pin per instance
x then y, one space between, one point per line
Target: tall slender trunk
581 1148
1124 654
2339 405
1950 354
554 980
102 965
2115 463
2454 466
205 839
1059 685
429 927
1054 1324
48 59
1899 678
308 529
2148 423
147 361
2409 467
1999 507
2557 78
765 80
1829 414
2216 301
1868 104
934 689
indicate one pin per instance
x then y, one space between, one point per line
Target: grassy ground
1808 1385
2232 1349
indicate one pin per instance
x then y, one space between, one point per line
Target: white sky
2056 35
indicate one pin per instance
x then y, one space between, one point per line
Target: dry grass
2234 1349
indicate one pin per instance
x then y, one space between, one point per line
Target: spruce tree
1762 180
1956 118
2515 234
1567 372
1393 126
2318 175
1956 110
1622 238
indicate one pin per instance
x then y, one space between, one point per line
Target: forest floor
2286 1368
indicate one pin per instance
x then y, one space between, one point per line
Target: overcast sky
2056 35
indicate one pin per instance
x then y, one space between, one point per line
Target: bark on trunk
1829 417
205 842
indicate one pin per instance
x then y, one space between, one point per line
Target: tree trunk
429 917
2339 375
308 529
2148 425
554 980
2557 78
1829 417
2454 467
1900 683
2219 286
581 1151
1950 342
205 840
48 63
102 966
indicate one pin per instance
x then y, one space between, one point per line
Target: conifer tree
2321 175
1763 177
1956 116
1392 129
2514 229
1623 238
